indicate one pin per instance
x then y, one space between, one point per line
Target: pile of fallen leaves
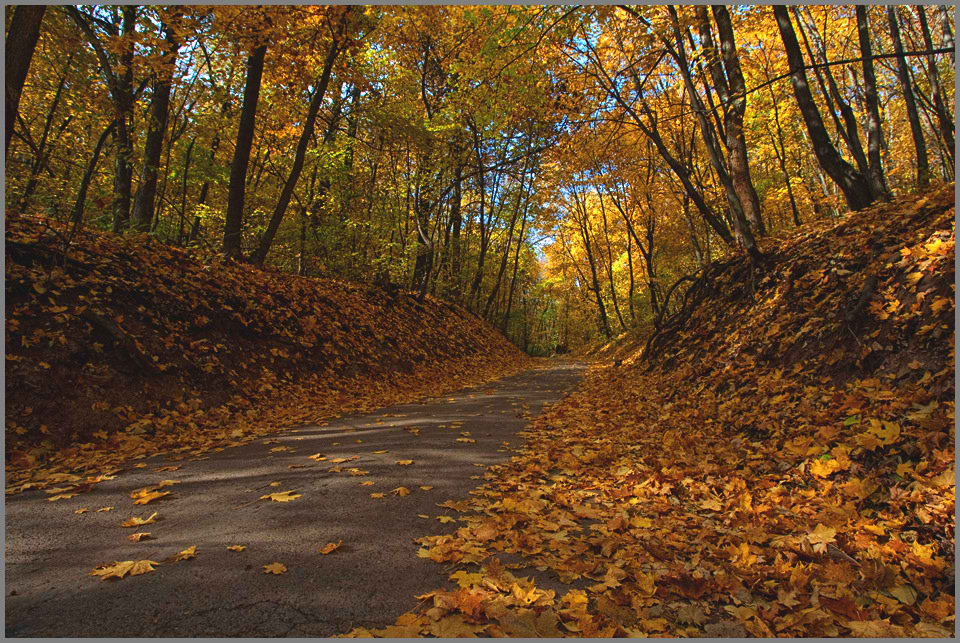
122 348
783 467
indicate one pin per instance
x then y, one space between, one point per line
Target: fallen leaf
148 496
81 510
425 487
186 554
282 496
376 495
136 522
137 537
236 547
121 569
401 491
330 547
274 568
404 463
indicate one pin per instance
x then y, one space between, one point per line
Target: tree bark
336 45
143 205
733 121
855 187
903 75
241 155
874 133
21 43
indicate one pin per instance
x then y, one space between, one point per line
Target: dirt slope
132 346
783 467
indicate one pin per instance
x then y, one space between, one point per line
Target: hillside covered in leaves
780 464
121 347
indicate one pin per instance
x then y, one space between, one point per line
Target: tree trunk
306 135
183 191
143 205
733 120
21 42
516 264
874 133
945 118
41 155
903 75
241 155
848 128
947 33
77 215
706 130
855 187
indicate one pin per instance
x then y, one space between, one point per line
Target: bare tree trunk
874 133
855 187
916 129
21 42
241 155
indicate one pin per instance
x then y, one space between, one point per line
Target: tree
874 133
241 155
143 204
21 41
337 43
903 77
856 189
119 79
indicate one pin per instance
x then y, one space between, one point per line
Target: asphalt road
370 580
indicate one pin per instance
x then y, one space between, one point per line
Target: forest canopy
562 171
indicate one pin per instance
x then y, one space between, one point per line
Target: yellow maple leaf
425 487
820 536
81 510
137 537
282 496
136 522
236 547
143 496
120 569
376 495
381 452
274 568
465 440
186 554
823 468
404 463
401 491
104 509
330 547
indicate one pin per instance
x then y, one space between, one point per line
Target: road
368 581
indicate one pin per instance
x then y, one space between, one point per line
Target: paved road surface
369 581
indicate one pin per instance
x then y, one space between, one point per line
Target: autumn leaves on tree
472 152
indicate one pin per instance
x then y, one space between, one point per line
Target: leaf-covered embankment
783 466
131 347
